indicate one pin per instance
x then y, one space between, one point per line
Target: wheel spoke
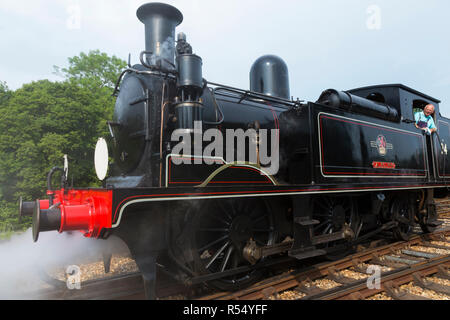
403 220
260 218
213 229
260 242
328 221
220 219
220 232
326 229
329 201
243 207
322 214
323 205
227 209
263 230
214 257
212 243
227 257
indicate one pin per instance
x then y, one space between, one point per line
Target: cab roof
397 85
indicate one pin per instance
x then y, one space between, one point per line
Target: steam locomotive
214 183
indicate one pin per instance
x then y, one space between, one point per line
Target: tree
44 120
5 94
94 68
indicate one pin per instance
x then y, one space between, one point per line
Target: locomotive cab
407 102
404 99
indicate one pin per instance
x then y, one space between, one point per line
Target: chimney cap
157 8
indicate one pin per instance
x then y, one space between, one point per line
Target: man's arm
416 118
432 126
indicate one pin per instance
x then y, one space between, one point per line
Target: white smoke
22 260
165 50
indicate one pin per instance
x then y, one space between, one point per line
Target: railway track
399 263
402 263
105 289
120 287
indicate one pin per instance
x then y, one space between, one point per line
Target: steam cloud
21 259
165 51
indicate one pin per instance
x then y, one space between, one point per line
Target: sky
325 43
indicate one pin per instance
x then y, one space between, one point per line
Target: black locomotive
314 179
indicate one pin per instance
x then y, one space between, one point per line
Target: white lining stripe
356 176
437 156
215 158
257 195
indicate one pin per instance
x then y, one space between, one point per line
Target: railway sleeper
307 287
401 259
382 261
356 296
409 258
397 256
334 275
358 265
438 237
435 246
396 293
443 273
420 254
269 292
425 284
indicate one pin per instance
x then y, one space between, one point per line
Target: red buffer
88 211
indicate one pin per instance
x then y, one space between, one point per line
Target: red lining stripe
232 167
437 156
363 173
261 192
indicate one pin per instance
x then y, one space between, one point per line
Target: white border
364 176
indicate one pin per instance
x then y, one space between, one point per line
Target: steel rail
399 278
293 279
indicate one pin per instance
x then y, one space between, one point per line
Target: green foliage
44 120
8 219
93 69
5 94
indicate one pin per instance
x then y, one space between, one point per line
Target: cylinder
350 102
269 75
187 113
189 71
160 21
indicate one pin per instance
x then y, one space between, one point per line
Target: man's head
428 110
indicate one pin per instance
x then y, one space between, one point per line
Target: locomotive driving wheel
334 214
402 211
220 231
424 218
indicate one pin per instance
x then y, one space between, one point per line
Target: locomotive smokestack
160 20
